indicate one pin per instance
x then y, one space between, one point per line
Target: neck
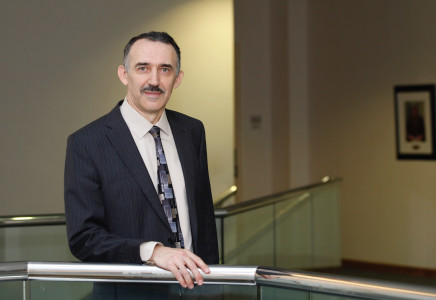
152 117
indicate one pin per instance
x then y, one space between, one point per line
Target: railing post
26 290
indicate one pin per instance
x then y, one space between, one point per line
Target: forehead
146 51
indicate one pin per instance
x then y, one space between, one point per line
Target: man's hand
179 262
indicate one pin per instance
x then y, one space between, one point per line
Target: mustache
152 88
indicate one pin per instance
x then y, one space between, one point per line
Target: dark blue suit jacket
111 205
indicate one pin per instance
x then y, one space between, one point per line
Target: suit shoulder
182 118
98 126
95 128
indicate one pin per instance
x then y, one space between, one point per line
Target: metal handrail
232 275
225 196
32 220
342 285
77 271
271 199
59 219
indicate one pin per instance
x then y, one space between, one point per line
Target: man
113 210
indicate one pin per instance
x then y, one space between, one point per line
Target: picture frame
415 121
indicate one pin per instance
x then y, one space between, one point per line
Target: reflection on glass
301 230
293 233
248 238
34 243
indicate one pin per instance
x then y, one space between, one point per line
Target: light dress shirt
139 128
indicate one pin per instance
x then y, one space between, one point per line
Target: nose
154 78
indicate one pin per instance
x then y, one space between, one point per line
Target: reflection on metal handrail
229 275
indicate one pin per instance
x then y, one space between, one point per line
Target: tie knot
155 131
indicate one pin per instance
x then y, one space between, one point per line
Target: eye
142 69
166 70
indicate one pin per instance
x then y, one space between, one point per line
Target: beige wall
253 98
59 61
262 97
344 58
358 51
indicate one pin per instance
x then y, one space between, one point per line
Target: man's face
151 77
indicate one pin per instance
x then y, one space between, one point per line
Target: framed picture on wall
415 121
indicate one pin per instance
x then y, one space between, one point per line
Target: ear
178 79
122 74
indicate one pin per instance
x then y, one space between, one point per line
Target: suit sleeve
207 232
85 214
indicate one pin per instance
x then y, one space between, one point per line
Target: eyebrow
170 66
140 64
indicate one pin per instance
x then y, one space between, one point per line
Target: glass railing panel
326 226
11 290
69 290
278 293
275 293
65 290
304 231
249 237
45 243
318 296
353 292
239 292
293 238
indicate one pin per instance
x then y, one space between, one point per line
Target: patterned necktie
165 190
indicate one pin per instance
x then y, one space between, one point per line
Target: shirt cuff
146 250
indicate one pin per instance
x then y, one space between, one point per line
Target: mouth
152 90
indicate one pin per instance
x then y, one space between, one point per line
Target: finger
183 276
187 277
199 262
178 275
196 273
191 265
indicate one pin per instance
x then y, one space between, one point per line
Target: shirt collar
140 125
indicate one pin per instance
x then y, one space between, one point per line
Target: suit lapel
184 149
121 139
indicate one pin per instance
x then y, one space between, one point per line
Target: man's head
153 36
151 70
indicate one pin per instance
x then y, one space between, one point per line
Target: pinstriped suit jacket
111 205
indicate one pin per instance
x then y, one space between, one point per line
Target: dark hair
154 36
